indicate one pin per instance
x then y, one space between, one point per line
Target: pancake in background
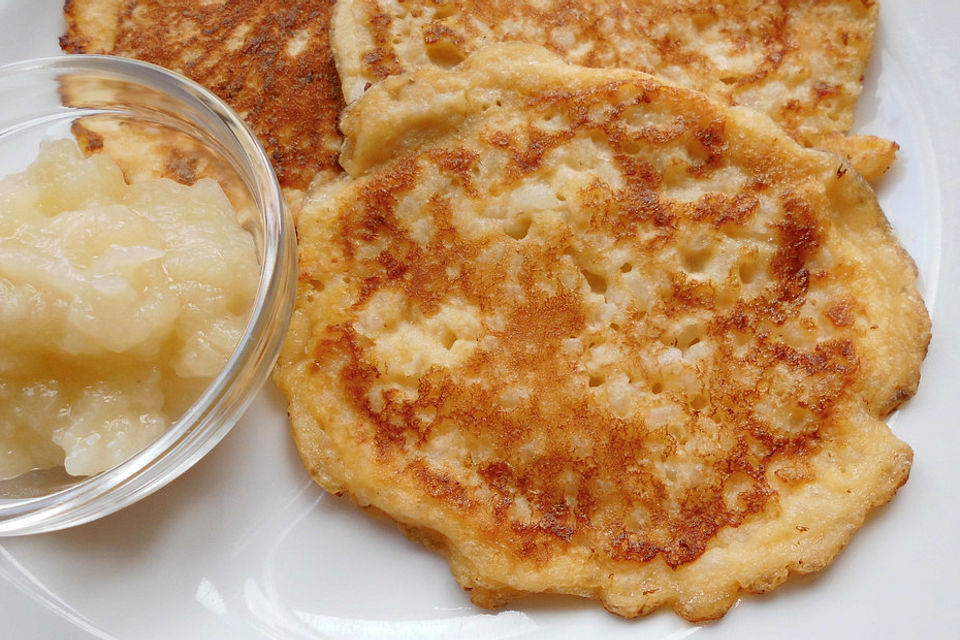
270 60
800 62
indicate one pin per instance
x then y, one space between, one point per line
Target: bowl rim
227 396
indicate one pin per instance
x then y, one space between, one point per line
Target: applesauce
118 305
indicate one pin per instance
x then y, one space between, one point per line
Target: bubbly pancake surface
584 332
270 60
801 62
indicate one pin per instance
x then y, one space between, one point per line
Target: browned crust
545 321
239 49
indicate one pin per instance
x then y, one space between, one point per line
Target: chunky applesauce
118 304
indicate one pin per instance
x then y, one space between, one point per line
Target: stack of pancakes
622 333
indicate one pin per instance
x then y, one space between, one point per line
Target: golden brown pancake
801 62
586 332
270 60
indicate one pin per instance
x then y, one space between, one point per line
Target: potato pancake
269 60
801 62
587 332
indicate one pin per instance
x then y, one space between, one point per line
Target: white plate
245 546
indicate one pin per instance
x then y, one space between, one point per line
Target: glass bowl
81 97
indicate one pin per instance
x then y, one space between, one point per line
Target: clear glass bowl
62 96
